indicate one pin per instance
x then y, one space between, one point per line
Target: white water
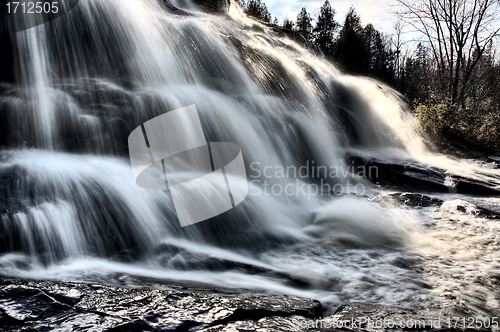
73 211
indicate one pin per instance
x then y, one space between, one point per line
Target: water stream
70 209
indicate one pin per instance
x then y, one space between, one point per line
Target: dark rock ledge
47 306
418 177
220 7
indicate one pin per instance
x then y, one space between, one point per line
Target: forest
449 75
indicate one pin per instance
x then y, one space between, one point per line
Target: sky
377 12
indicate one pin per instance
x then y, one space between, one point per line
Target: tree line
450 76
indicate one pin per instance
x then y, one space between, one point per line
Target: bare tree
400 49
458 33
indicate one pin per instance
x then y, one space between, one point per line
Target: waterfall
82 82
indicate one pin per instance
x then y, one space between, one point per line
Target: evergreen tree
304 25
353 21
325 29
350 48
258 9
288 24
381 57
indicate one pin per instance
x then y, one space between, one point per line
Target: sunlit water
71 209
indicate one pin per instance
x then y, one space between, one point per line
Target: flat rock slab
414 176
45 305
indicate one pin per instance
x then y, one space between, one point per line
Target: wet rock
411 199
468 186
44 305
419 200
298 38
494 159
270 73
167 6
409 263
406 176
464 207
491 162
178 258
414 176
24 198
214 6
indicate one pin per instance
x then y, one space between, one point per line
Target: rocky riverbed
46 305
63 306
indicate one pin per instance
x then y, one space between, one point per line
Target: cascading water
70 209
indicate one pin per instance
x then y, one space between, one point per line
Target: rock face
37 306
298 38
220 7
214 6
172 9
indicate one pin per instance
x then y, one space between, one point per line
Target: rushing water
70 209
